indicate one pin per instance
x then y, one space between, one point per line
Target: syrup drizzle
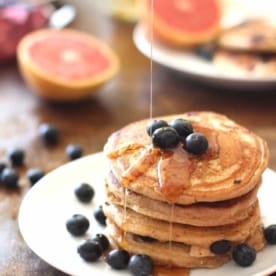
147 158
151 60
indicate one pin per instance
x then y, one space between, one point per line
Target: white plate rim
84 173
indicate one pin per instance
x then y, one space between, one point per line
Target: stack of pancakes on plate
182 209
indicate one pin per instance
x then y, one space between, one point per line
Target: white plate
51 202
192 65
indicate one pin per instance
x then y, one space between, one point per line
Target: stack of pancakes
180 208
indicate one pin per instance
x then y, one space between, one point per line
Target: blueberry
118 258
165 138
147 239
220 247
243 254
49 133
100 216
140 265
102 240
16 156
35 174
206 52
196 143
155 124
90 250
9 178
270 234
73 151
2 166
77 225
84 192
182 126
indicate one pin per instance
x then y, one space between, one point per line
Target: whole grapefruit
65 65
183 22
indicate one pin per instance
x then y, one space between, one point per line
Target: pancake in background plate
254 35
245 64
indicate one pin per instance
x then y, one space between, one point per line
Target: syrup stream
151 54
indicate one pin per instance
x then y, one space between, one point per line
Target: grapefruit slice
184 22
65 65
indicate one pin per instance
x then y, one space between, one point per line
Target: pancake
253 35
197 214
164 231
174 205
244 64
227 170
173 254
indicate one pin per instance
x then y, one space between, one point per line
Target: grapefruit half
65 65
184 22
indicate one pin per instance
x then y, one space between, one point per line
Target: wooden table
88 123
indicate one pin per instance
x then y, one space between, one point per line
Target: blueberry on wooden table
90 250
118 258
140 265
100 216
77 225
9 178
84 192
34 174
16 156
49 133
74 151
243 254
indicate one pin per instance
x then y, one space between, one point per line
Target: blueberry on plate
182 126
77 225
35 174
90 250
49 133
140 265
118 258
84 192
3 165
270 234
196 143
221 247
155 124
16 156
243 254
165 138
100 216
74 151
102 240
9 178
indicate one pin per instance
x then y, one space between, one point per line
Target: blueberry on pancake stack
183 189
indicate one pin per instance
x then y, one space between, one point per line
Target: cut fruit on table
184 22
65 65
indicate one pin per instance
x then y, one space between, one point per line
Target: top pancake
231 167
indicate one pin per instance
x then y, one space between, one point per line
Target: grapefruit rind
168 34
53 87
